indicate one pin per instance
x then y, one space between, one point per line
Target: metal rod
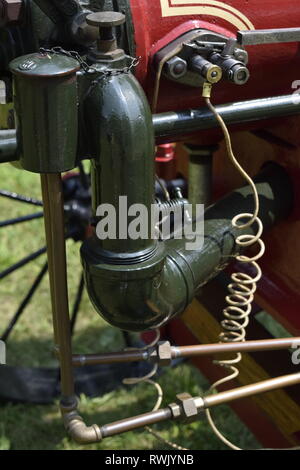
165 414
135 422
24 302
247 346
186 351
20 197
176 123
184 122
109 358
56 248
18 220
253 389
22 262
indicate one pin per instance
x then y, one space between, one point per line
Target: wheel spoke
18 220
76 304
25 302
20 198
22 262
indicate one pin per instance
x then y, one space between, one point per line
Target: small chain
87 69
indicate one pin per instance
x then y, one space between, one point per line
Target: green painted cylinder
46 107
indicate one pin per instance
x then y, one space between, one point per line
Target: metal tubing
186 351
135 422
253 389
185 122
110 358
192 120
56 249
247 346
84 435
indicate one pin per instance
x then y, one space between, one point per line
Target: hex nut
175 409
164 352
188 406
10 11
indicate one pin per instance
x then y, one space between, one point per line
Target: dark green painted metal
147 294
119 121
173 124
45 100
169 125
8 146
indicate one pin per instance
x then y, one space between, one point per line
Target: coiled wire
148 379
243 286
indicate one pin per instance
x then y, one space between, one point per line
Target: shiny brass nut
10 11
188 406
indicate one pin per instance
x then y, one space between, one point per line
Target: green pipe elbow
148 294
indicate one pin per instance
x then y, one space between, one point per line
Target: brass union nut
10 11
188 406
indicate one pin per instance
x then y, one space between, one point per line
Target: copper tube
253 389
109 358
83 434
186 351
56 250
135 422
247 346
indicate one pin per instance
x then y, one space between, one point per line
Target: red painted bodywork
273 67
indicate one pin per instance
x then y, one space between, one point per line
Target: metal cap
44 65
106 19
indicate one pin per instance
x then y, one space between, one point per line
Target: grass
24 426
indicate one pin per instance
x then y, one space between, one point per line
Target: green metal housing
46 106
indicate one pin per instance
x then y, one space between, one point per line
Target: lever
268 36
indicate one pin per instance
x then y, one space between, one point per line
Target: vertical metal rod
56 249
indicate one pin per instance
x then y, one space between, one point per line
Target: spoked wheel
32 373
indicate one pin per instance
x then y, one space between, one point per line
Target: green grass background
40 427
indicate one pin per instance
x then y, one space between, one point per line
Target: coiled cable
148 379
243 285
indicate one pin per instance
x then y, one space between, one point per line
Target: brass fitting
162 354
188 408
79 431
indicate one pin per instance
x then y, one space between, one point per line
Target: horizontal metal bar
165 414
172 124
109 358
250 390
135 422
186 351
268 36
247 346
